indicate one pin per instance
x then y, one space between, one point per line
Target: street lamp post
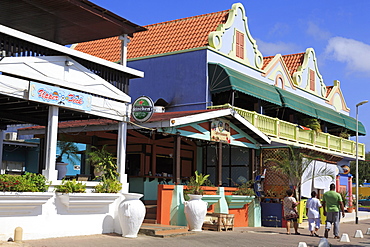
359 104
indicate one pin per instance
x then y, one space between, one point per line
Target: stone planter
131 212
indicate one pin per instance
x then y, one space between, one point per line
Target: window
239 45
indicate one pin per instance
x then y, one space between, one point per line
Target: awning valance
222 78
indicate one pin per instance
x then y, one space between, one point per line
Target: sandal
316 235
337 237
297 233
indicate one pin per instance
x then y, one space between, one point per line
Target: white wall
43 215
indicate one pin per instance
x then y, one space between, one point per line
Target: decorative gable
234 40
277 72
335 98
308 77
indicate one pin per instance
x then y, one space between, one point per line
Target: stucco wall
179 79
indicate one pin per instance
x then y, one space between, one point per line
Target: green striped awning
297 103
351 124
222 78
318 111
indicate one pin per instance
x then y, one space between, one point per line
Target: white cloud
355 54
316 32
271 49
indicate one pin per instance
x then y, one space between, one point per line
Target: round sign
346 169
142 109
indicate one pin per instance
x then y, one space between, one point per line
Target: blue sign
59 96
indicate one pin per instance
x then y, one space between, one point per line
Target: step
150 215
150 221
164 231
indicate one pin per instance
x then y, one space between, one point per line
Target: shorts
292 219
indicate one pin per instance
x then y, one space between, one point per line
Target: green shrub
244 190
71 186
29 182
108 186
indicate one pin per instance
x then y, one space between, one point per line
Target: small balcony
288 133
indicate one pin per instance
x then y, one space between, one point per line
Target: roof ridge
300 53
186 18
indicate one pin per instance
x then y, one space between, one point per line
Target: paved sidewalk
241 236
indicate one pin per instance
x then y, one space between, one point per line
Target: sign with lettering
220 130
142 109
59 96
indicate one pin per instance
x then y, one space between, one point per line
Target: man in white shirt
313 206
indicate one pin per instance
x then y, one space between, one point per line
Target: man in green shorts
332 203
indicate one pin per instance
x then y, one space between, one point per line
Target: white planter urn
62 169
195 211
131 213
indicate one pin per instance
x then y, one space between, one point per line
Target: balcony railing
290 134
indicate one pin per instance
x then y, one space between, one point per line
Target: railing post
277 127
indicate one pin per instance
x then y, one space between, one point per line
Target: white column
2 169
121 155
124 41
51 144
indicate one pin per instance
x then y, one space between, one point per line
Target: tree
363 169
296 166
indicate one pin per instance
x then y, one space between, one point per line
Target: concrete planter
86 202
236 201
23 203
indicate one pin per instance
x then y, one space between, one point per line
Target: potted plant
195 209
66 148
70 186
243 195
105 166
108 186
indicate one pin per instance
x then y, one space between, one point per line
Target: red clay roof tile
160 38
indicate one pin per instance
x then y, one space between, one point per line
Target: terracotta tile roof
164 37
292 61
108 49
328 90
266 61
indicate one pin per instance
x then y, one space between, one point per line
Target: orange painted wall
165 200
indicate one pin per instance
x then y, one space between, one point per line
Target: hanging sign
142 109
59 96
220 130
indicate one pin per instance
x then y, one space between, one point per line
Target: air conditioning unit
11 136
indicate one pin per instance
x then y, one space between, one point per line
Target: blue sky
337 30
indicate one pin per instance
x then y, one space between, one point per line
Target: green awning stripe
297 103
222 78
351 124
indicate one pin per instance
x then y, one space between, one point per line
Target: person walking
332 203
313 206
290 212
